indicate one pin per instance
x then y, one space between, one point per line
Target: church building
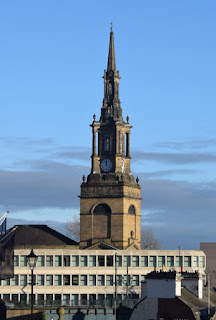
110 200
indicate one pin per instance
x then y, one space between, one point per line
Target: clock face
122 165
106 165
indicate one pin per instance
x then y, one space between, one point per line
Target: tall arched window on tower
121 143
106 142
132 209
102 221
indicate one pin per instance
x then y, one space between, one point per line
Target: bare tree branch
148 240
73 227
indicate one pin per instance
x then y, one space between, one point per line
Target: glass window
135 261
196 261
83 261
23 280
152 261
179 261
75 261
119 261
170 261
58 261
101 261
40 299
40 262
66 299
49 280
92 280
187 261
144 261
109 261
127 261
75 280
66 261
83 280
75 299
15 280
202 262
34 279
6 282
16 261
119 279
101 280
23 261
161 261
58 280
142 278
40 280
135 281
49 261
66 280
109 280
15 297
92 261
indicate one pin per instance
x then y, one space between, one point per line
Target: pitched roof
34 236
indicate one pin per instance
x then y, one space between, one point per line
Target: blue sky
52 59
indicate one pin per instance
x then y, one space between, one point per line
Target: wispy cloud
188 144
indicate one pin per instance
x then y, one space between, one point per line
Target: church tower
110 201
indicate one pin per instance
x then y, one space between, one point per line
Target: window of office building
202 262
49 261
196 261
179 261
34 279
75 280
92 280
101 261
23 280
170 261
144 261
49 280
127 261
83 299
119 261
101 280
109 280
58 280
161 261
15 297
40 280
187 261
75 299
40 298
66 299
6 282
75 261
109 261
41 261
83 261
83 280
66 280
66 260
58 261
15 280
119 279
92 261
135 281
16 261
142 278
152 261
135 261
23 261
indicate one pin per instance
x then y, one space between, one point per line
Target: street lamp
32 261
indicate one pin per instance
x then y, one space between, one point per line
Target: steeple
111 65
111 110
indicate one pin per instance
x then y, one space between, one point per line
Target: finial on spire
111 28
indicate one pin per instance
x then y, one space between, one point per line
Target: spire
111 65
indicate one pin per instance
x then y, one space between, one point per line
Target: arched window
132 209
102 208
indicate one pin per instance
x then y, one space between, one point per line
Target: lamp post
32 261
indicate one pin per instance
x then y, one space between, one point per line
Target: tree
148 240
73 227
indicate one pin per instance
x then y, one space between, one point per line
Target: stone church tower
110 200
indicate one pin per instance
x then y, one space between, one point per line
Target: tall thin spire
111 65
